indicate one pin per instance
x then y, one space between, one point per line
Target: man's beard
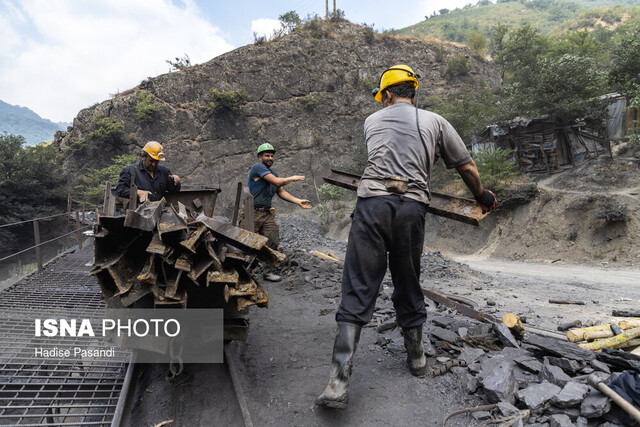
268 163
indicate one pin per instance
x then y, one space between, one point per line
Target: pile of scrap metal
174 253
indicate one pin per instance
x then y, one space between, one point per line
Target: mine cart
174 253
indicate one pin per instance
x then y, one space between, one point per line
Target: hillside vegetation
552 17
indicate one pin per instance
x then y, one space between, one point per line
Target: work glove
487 201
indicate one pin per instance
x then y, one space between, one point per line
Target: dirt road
527 287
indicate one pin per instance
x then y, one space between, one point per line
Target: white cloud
61 56
265 26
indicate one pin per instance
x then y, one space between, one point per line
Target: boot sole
334 404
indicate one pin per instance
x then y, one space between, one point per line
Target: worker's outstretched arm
469 174
281 182
284 195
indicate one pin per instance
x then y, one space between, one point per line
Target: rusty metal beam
170 222
137 292
184 263
201 201
235 236
452 207
200 268
148 272
193 239
145 216
226 276
461 308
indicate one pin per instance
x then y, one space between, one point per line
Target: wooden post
78 232
544 157
69 206
334 7
84 212
326 9
36 233
133 194
236 208
107 194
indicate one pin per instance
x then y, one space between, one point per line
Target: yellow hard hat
394 75
154 150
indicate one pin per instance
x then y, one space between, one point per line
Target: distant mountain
22 121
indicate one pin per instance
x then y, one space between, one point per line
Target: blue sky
60 56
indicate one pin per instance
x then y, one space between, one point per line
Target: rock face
308 94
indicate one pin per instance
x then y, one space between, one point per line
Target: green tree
469 112
31 181
522 51
476 41
179 63
496 167
625 67
289 21
146 108
566 87
497 46
93 184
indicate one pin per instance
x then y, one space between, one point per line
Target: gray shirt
394 149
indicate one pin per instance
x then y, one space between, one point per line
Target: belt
263 208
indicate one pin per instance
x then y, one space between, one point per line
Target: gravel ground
284 364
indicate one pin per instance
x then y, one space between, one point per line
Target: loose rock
572 394
560 420
554 375
501 384
595 405
537 395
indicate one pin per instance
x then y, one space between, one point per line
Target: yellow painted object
578 334
325 256
627 335
627 344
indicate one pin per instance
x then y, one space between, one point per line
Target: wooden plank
452 207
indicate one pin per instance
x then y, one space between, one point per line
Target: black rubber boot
415 350
336 395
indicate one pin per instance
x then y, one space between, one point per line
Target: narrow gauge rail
69 392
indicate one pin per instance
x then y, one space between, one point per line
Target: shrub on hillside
228 101
146 108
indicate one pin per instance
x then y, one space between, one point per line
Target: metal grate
78 391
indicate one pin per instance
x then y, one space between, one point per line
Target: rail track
77 391
96 391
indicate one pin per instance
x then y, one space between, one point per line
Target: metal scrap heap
172 254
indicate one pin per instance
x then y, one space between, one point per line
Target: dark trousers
264 223
381 224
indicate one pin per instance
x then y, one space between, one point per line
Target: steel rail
235 379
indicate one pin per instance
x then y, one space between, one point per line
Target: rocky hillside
307 93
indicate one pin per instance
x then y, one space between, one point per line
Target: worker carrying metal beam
403 143
153 179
